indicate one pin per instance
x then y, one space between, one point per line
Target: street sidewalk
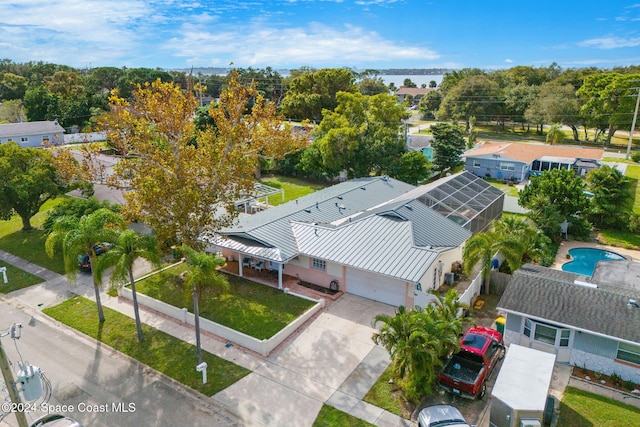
55 289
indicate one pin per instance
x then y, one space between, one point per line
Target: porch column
240 259
279 275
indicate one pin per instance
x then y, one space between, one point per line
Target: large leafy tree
609 101
202 275
185 180
419 340
128 247
310 92
370 83
536 246
77 237
28 178
362 136
75 207
561 188
477 96
448 145
611 190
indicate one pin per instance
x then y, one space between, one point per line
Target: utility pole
633 124
11 387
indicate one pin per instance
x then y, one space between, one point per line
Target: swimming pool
585 260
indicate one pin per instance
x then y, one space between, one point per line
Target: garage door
376 287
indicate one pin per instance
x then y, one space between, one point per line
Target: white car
441 416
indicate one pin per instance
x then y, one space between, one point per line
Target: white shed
520 393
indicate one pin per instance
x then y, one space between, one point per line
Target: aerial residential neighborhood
318 214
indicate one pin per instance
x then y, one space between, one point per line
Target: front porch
270 278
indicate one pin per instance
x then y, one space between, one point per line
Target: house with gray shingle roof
585 322
32 134
375 237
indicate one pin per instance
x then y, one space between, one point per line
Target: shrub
635 156
616 379
77 208
629 385
634 222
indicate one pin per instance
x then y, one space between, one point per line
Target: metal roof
30 128
381 244
272 226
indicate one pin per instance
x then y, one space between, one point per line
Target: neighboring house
517 161
377 237
422 143
32 134
414 93
586 322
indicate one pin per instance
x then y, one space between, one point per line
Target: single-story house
32 134
517 161
415 93
376 237
586 322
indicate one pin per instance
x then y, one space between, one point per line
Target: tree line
588 98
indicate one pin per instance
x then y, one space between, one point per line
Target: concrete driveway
290 387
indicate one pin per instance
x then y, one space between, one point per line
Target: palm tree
201 274
483 246
535 244
128 247
78 237
555 134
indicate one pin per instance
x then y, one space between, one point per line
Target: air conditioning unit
530 423
449 278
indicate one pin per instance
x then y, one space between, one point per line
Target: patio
270 278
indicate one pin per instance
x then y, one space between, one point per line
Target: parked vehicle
84 262
466 372
441 416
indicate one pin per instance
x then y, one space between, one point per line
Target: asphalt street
98 386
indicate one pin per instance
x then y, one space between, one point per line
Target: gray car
441 416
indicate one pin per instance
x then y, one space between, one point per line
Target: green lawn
621 239
293 188
509 190
17 279
332 417
29 245
387 396
252 308
159 350
633 173
580 408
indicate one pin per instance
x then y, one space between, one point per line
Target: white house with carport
32 134
586 322
377 237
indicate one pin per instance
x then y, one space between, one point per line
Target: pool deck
565 246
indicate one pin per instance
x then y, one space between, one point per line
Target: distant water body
419 80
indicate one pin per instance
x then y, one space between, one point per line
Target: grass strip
17 279
159 350
581 408
330 417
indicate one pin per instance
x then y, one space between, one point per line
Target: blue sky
321 33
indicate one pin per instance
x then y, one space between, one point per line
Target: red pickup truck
467 371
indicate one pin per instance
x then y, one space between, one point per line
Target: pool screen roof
462 197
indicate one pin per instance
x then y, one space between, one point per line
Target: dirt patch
484 310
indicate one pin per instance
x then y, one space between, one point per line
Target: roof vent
339 197
307 210
585 284
408 207
633 304
362 188
342 207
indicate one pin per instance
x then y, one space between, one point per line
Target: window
629 353
476 163
564 337
507 166
318 264
45 139
527 327
545 334
24 139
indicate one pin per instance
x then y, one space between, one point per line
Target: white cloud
259 45
611 42
508 61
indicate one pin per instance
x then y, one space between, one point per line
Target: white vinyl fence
264 346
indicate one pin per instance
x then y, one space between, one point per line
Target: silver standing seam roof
377 224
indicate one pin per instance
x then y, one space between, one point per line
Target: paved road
85 373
